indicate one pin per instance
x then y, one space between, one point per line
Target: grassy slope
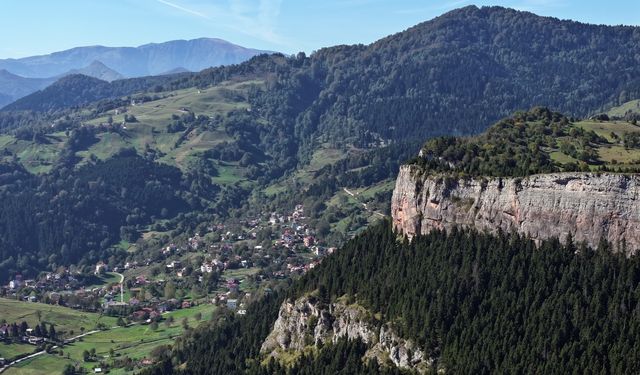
9 351
135 342
150 131
631 106
610 151
65 319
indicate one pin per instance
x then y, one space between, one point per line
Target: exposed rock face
588 206
306 321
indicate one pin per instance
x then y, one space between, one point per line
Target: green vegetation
626 111
538 141
90 209
8 351
65 319
477 303
135 342
301 128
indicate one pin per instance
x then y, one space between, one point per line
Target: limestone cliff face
306 321
588 206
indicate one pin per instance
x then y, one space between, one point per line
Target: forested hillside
478 303
263 123
79 90
455 74
75 216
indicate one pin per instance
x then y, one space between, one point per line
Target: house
146 362
186 304
97 370
206 267
174 264
309 241
140 315
35 340
15 283
182 272
101 267
232 304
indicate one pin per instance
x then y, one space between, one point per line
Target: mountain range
90 169
20 77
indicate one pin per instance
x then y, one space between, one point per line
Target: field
135 342
620 111
325 155
9 351
65 319
149 132
35 157
611 152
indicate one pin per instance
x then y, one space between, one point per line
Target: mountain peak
98 70
144 60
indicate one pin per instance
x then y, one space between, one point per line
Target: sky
34 27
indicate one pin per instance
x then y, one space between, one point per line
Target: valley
387 208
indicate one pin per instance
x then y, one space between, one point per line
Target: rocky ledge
307 321
587 206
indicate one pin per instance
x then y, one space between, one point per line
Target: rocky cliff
588 206
307 321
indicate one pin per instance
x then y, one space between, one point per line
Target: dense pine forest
478 303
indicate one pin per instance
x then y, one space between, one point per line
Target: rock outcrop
587 206
307 321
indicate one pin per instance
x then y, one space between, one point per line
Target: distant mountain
148 59
13 86
98 70
78 89
176 70
4 100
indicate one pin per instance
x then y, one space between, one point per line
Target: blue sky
30 27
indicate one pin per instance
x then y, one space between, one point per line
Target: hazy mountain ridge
98 70
13 86
21 77
148 59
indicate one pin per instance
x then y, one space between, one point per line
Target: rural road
2 369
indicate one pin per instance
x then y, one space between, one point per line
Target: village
229 266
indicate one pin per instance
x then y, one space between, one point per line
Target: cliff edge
587 206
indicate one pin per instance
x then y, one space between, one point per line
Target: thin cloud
539 5
445 6
186 10
255 18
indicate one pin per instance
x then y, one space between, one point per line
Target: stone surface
589 206
306 321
